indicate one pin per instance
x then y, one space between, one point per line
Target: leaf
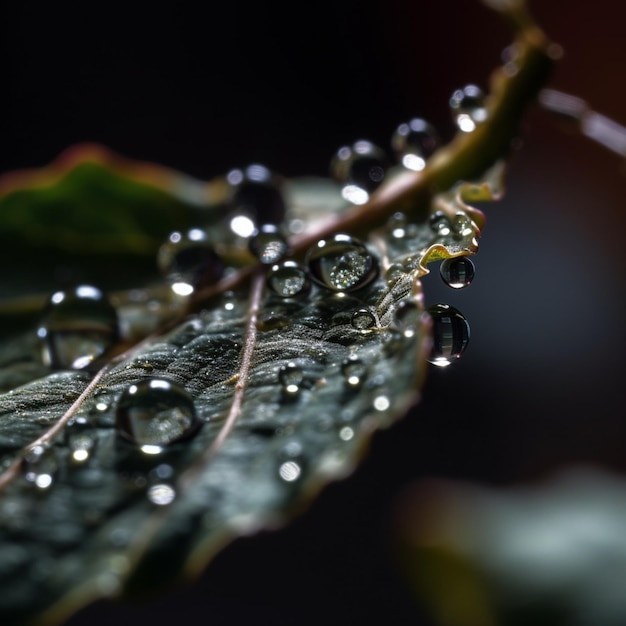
286 391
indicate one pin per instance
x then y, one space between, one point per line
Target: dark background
540 386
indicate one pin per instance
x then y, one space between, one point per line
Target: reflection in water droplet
414 142
363 319
161 494
346 433
291 377
361 168
268 244
289 471
354 370
341 263
288 279
77 326
381 403
189 261
468 107
457 272
40 466
451 333
256 198
155 412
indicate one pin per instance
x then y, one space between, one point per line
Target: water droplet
155 412
361 168
413 142
441 224
451 334
354 370
256 198
381 403
346 433
291 462
407 318
468 107
394 272
289 471
457 272
189 261
161 494
77 326
288 279
81 442
363 319
341 263
268 244
291 378
463 225
40 466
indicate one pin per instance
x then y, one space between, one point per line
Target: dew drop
363 319
289 471
394 272
291 378
161 494
457 272
40 466
346 433
361 168
341 263
354 371
468 107
256 197
407 318
77 326
451 333
81 445
154 412
441 224
291 462
413 142
268 244
288 279
189 261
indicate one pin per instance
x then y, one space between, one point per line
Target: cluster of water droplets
363 166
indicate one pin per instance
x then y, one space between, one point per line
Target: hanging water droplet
341 263
363 319
361 168
451 334
189 261
354 371
77 326
40 466
161 494
291 378
288 279
441 224
256 198
457 272
154 413
413 142
268 244
468 107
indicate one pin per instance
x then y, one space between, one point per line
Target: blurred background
540 388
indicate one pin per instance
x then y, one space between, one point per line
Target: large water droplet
155 412
189 261
288 279
451 334
361 168
413 142
468 107
457 272
268 244
40 466
341 263
256 198
77 326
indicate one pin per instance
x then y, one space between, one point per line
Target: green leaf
287 391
